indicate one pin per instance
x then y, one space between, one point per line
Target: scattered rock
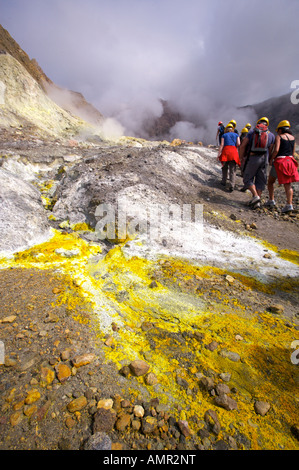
105 403
104 420
276 308
149 425
16 418
9 319
207 383
83 360
212 346
47 376
63 372
222 388
233 356
215 425
184 428
226 376
151 379
98 441
32 397
77 404
262 407
226 402
139 367
123 422
138 411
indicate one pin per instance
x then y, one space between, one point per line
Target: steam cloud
206 58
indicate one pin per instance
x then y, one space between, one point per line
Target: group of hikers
254 150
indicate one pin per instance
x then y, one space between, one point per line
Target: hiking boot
287 208
254 200
270 203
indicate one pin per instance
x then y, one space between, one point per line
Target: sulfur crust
265 372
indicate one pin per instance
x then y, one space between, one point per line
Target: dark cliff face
159 128
278 109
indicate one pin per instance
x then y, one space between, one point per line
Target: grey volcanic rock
23 220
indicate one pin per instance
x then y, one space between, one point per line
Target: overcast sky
206 56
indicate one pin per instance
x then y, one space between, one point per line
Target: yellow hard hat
229 125
233 122
283 124
248 126
264 119
244 130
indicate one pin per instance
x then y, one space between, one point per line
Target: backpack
221 129
259 143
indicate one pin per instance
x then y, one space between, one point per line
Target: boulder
23 220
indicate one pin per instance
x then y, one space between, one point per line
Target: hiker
228 155
254 156
284 166
233 122
220 131
244 133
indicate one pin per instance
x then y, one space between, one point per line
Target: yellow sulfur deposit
168 311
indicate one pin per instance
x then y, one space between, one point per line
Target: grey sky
206 56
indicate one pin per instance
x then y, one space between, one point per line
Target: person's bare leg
253 190
271 181
289 193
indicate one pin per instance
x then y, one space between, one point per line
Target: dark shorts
256 172
273 172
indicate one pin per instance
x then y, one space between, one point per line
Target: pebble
212 346
222 388
233 356
184 428
212 415
139 367
226 402
98 441
207 383
138 411
276 308
262 407
32 397
149 424
104 420
29 410
47 376
63 372
106 403
123 422
16 418
226 376
77 404
151 379
9 319
83 359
